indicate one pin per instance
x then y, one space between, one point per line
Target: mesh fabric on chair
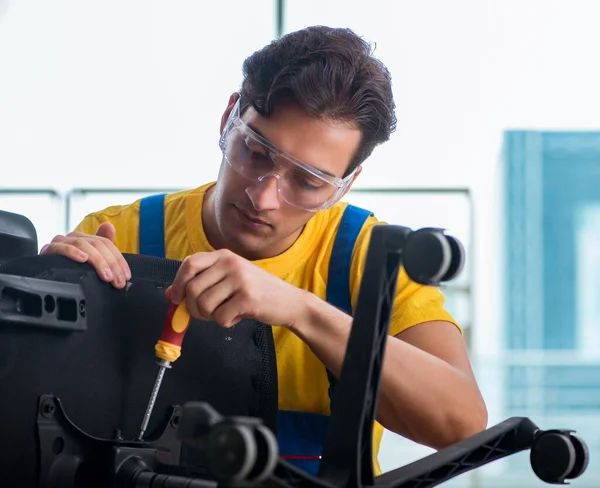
104 375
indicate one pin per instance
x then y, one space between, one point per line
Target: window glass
587 237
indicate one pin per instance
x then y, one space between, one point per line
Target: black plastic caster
231 451
557 456
432 257
267 454
241 452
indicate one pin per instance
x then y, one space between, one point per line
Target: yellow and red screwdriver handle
167 350
177 322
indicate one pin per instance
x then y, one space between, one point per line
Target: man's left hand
223 287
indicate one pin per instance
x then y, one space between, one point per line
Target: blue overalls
299 434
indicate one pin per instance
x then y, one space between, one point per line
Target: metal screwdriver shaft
167 350
163 365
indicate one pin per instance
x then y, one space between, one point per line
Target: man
257 243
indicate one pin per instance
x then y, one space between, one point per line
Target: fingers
231 311
121 268
107 230
104 260
191 266
98 251
204 294
205 280
65 250
213 286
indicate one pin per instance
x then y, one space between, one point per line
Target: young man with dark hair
258 242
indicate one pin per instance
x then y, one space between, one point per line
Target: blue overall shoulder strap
340 262
152 226
300 434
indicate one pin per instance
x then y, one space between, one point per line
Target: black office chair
18 237
65 333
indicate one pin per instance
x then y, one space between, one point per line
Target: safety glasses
256 159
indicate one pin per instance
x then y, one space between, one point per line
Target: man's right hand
99 250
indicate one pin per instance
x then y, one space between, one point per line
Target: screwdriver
167 350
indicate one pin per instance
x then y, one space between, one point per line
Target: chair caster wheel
556 456
231 451
267 453
241 452
582 457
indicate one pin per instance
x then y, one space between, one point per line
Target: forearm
421 397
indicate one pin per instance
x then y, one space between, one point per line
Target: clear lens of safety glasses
255 158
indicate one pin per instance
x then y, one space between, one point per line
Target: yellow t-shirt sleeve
414 303
180 209
88 225
125 219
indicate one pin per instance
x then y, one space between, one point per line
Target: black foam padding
18 237
104 376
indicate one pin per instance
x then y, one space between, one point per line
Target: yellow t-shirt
302 379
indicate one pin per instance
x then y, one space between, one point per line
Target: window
42 207
587 236
81 202
551 363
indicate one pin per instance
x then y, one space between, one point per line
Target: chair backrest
104 375
18 237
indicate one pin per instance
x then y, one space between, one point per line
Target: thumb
107 230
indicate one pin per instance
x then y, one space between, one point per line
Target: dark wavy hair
332 74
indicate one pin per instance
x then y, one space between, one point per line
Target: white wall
120 93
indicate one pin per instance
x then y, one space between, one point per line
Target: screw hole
58 445
48 409
49 304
